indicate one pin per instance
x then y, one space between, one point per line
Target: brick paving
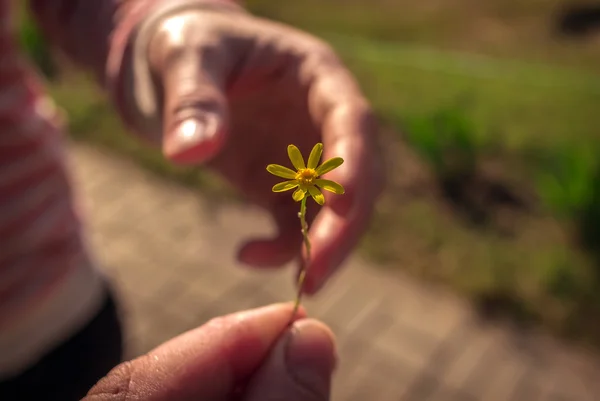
170 253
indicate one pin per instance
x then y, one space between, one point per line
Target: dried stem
304 260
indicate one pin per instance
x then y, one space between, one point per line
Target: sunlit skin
250 356
237 90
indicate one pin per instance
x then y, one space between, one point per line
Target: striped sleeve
44 262
48 277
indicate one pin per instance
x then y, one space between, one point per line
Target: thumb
207 363
195 106
299 367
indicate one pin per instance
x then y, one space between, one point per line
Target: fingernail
311 355
190 132
192 140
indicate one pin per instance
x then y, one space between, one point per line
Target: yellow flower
306 178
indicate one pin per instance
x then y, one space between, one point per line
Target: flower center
306 176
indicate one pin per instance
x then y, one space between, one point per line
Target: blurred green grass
512 104
511 92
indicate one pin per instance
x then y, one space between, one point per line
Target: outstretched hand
237 90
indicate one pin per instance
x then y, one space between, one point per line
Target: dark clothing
70 370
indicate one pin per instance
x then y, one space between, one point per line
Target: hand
246 356
237 90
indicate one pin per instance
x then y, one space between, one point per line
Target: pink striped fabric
48 285
41 241
40 238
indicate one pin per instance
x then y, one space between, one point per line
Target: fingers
299 368
285 245
203 364
349 130
274 252
192 66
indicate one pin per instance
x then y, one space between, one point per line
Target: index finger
207 363
349 130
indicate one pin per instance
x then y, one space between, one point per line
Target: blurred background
491 130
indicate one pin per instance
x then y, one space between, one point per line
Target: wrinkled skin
247 356
252 87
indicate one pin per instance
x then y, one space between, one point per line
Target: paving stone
499 372
170 254
368 385
503 383
349 310
407 345
468 353
350 359
372 325
141 278
426 387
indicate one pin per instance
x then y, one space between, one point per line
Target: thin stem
304 260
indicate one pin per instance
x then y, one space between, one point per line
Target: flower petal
329 165
285 186
330 186
316 195
315 156
281 171
299 194
296 157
